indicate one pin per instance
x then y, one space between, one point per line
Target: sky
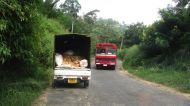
127 11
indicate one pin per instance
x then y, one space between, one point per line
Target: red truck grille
105 59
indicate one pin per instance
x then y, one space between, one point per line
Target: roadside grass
169 70
170 77
23 91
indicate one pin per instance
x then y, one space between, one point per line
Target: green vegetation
166 76
161 52
26 47
17 91
171 71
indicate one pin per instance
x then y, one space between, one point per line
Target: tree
71 7
181 3
86 23
91 16
17 36
133 34
50 8
171 33
107 30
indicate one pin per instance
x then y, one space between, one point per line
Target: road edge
42 99
153 84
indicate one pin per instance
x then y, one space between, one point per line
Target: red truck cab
106 55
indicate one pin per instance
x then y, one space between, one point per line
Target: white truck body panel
71 73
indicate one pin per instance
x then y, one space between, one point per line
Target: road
112 88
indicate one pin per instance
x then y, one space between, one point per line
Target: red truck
106 55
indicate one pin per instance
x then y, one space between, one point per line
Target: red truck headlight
97 60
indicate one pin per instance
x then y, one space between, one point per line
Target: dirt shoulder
41 100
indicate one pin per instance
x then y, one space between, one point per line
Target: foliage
86 23
71 7
21 92
91 16
167 76
181 3
49 8
107 30
26 48
165 39
26 38
133 34
162 55
17 31
134 56
122 54
46 30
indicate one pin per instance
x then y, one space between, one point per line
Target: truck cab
106 55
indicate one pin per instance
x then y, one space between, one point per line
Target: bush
46 30
134 56
122 53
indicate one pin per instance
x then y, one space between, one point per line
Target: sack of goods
84 63
58 59
70 61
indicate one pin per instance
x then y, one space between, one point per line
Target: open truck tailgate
67 73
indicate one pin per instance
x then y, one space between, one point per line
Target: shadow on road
70 86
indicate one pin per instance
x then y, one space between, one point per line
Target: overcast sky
128 11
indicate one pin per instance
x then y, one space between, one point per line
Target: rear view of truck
72 59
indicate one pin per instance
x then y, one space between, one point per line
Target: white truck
72 59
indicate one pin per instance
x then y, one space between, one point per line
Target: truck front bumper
105 64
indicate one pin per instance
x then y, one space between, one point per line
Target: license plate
72 80
105 65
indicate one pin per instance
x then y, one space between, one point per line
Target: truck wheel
113 67
86 84
97 67
53 84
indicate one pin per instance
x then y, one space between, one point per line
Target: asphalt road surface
112 88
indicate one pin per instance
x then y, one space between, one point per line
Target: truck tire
97 67
86 84
53 84
113 67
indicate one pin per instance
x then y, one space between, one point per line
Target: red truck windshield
105 51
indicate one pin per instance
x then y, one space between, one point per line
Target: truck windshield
100 51
104 51
111 51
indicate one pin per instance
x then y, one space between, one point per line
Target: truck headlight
97 60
